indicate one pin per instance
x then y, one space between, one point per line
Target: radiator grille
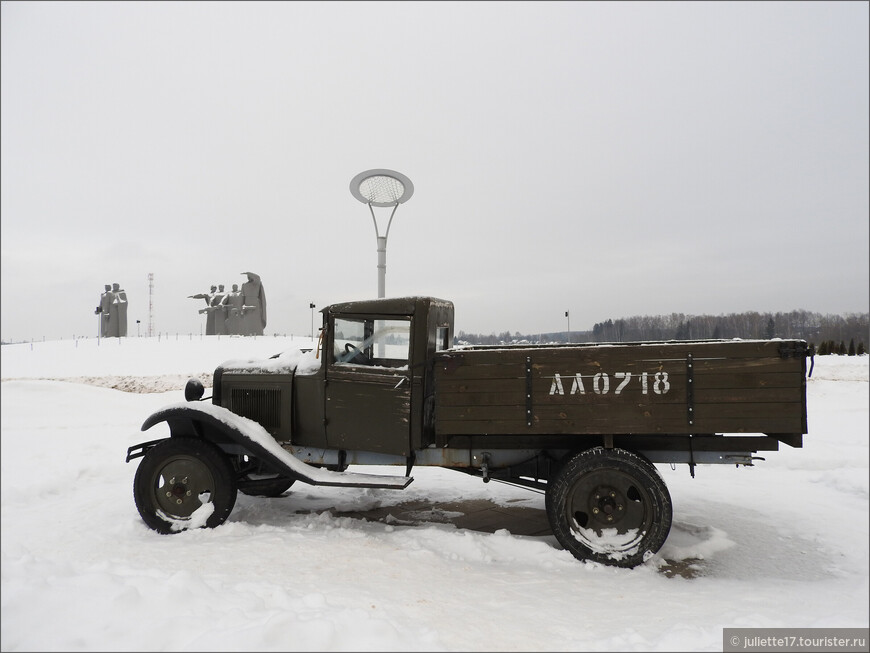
262 405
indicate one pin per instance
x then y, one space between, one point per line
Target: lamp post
383 188
311 306
568 317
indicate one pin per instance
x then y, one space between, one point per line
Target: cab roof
386 306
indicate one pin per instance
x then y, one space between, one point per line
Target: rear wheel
184 483
609 506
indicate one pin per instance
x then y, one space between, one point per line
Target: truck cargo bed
685 387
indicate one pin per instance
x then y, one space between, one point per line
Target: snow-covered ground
781 544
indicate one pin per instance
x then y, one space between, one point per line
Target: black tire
609 506
178 477
267 487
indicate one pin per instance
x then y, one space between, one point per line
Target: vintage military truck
584 423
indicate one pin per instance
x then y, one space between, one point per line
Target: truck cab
377 383
369 388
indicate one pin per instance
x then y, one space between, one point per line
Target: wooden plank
667 351
742 365
746 410
746 395
496 414
596 418
659 441
635 366
470 386
660 426
480 370
761 379
481 399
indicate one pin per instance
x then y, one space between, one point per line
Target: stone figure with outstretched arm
218 311
209 318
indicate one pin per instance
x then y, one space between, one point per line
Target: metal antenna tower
150 304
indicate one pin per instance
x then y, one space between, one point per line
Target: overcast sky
607 159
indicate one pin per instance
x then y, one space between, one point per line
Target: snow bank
780 544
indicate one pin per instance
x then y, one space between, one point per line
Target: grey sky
611 159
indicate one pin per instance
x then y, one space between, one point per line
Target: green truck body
585 423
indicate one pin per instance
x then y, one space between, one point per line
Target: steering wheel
354 355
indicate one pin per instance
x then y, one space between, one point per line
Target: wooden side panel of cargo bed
681 388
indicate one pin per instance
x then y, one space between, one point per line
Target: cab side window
442 338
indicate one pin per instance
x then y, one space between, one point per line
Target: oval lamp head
381 187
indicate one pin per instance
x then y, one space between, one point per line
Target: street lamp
382 188
311 306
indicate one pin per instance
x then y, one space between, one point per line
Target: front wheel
609 506
184 483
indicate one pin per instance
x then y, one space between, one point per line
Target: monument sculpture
113 312
238 312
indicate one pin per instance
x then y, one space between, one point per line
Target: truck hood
298 360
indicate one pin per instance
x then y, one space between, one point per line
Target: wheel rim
181 486
609 512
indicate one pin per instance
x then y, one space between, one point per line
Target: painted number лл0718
599 383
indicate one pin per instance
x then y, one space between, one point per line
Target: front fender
218 424
189 419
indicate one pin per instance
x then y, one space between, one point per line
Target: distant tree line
831 334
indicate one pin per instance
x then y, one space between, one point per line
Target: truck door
368 385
